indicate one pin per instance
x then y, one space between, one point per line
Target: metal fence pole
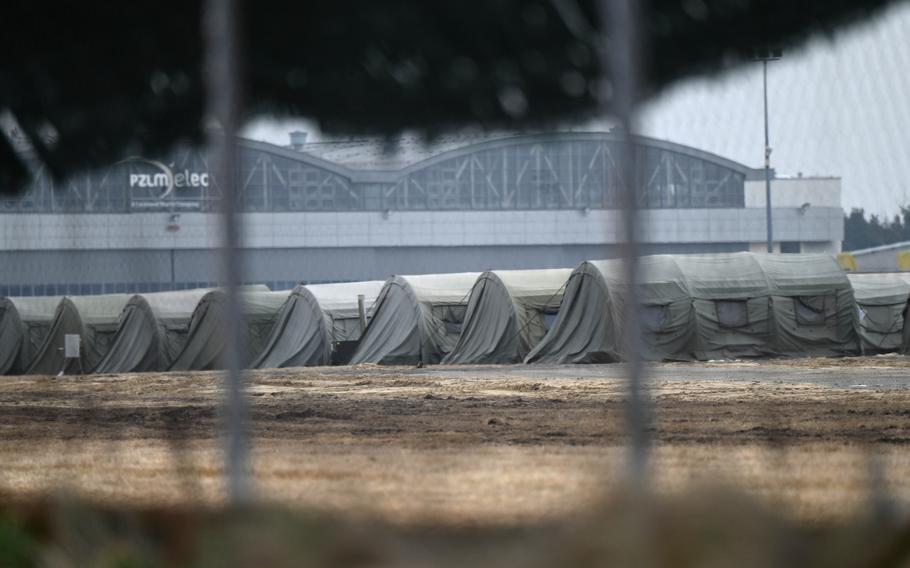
223 105
621 60
767 162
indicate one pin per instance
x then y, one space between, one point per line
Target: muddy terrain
479 445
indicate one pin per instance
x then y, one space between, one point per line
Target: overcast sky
838 106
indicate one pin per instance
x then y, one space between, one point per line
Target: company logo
165 178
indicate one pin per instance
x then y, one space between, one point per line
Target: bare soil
488 449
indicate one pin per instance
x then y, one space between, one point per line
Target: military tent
508 313
731 303
205 342
24 326
589 325
707 307
315 320
814 311
584 329
881 305
748 305
93 318
152 332
416 319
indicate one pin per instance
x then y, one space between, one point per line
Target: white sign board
71 345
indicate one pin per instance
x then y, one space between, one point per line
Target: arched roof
406 155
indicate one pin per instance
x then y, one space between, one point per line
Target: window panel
732 313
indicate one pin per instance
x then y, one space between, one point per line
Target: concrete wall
149 231
792 192
139 252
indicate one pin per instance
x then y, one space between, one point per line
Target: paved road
857 377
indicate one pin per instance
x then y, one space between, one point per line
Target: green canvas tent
881 306
94 318
709 306
205 342
814 311
507 315
152 332
416 319
589 325
584 330
24 326
313 321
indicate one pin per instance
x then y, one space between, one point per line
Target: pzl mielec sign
165 178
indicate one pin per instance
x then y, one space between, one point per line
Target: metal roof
892 246
393 154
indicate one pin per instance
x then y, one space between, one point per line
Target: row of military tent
692 307
180 330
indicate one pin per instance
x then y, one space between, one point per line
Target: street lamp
765 55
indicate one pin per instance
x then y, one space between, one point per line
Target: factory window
732 313
791 247
814 310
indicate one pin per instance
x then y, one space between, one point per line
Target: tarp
707 307
588 327
731 303
416 319
814 308
507 315
93 318
24 326
313 320
584 330
206 339
881 304
152 332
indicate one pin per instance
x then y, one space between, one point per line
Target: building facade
358 210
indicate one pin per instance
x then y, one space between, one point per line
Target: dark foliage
860 233
91 82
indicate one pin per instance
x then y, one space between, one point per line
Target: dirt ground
486 445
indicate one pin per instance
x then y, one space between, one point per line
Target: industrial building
364 209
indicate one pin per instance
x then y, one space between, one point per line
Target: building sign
155 185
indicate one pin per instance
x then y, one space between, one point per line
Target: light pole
765 55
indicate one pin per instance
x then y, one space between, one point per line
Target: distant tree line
860 233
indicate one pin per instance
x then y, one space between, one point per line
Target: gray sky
838 106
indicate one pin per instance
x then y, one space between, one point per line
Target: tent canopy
707 307
416 319
583 331
506 315
152 332
814 308
730 305
312 320
94 318
589 326
24 326
205 342
881 301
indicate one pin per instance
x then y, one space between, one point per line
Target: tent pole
361 312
